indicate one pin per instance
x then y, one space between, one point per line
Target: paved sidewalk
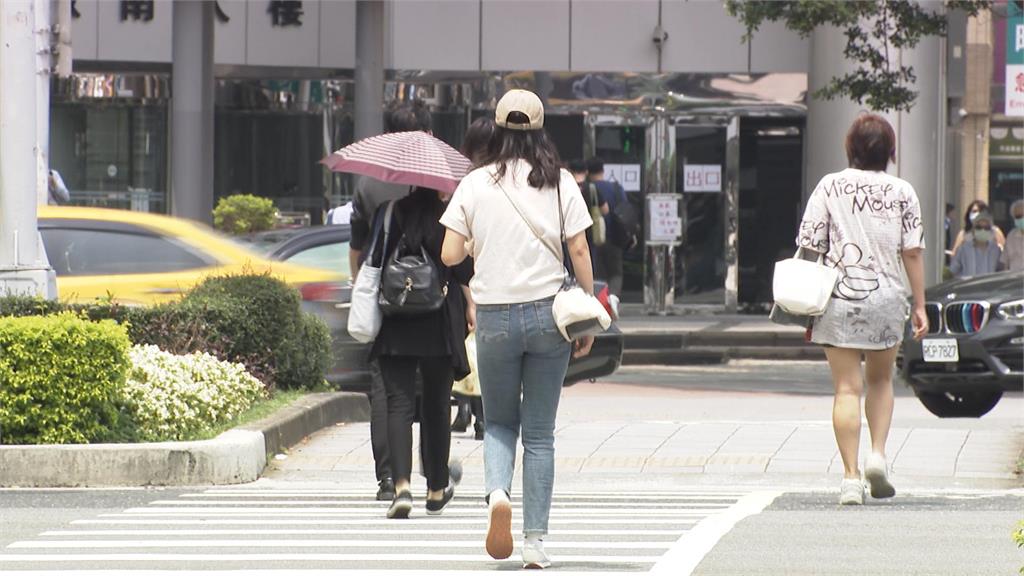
924 454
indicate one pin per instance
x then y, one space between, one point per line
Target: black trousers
399 374
379 422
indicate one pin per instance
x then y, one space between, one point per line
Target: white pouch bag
365 316
803 287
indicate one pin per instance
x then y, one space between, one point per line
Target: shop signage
1014 61
702 178
627 175
665 223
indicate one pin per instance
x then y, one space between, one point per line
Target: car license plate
940 350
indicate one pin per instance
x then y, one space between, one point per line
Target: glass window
332 257
76 252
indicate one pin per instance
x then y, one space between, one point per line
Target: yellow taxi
139 258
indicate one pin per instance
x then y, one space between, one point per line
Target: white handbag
365 316
577 314
803 287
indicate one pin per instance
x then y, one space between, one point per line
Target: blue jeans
521 359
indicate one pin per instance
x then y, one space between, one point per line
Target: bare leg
845 365
878 366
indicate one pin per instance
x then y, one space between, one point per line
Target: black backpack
411 282
625 222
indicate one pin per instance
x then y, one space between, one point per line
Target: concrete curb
236 456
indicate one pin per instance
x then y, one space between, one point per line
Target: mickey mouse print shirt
862 221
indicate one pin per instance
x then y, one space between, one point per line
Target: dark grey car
327 247
974 351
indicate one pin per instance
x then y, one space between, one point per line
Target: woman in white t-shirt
521 356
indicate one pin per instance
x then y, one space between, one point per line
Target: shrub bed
173 397
62 380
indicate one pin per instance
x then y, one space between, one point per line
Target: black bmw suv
974 350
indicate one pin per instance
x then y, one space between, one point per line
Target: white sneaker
534 556
499 525
851 492
876 473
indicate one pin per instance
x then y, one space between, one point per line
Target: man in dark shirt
369 195
610 254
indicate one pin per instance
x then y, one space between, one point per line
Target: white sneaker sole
536 565
399 511
499 531
879 483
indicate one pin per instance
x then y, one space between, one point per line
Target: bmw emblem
951 295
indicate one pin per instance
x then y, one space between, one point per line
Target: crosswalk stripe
463 502
462 489
407 544
357 511
377 558
390 531
434 521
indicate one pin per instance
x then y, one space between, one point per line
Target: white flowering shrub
172 397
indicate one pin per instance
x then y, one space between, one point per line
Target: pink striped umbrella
413 158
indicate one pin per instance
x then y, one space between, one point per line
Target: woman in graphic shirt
868 225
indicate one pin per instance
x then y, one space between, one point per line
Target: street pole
369 72
24 58
192 110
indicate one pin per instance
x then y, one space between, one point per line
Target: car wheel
960 404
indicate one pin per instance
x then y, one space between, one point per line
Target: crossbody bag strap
529 224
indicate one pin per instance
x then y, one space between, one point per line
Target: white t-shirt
511 264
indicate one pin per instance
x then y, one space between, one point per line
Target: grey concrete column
369 71
919 150
23 265
192 100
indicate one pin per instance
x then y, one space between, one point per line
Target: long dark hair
980 205
419 216
533 146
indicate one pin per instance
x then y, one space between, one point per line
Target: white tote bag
803 287
365 316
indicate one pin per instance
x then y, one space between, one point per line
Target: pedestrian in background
978 254
973 209
432 343
1013 252
596 206
866 235
620 236
478 146
521 355
369 195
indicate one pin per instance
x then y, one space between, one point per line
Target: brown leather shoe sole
499 531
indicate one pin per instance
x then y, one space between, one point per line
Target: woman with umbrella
431 342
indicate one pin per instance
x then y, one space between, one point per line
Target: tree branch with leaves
871 28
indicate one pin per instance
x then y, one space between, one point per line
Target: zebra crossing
315 530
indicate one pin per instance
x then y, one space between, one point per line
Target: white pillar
192 110
23 265
920 148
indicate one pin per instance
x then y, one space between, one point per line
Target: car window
332 257
76 252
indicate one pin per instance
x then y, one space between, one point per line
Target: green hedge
244 214
253 319
61 379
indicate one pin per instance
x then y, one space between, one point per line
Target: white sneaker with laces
851 492
534 556
877 474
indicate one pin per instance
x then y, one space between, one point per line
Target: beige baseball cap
522 101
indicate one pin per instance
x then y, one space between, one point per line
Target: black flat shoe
401 506
435 507
462 418
478 431
385 490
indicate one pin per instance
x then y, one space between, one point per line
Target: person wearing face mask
1013 252
973 209
979 253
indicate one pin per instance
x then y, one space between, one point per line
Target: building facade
713 138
